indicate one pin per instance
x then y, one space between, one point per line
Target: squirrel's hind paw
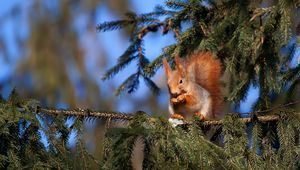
176 119
176 116
200 115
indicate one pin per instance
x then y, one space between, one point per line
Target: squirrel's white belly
189 111
203 105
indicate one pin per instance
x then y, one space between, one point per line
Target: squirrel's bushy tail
207 71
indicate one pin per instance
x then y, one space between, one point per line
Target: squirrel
194 87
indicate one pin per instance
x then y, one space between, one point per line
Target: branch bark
87 113
122 116
263 119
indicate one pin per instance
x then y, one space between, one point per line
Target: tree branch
263 119
123 116
87 113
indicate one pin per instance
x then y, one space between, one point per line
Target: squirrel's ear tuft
167 67
179 65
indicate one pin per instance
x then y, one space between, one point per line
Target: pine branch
151 85
130 84
149 28
262 119
86 113
131 19
123 116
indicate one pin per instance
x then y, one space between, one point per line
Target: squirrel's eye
180 81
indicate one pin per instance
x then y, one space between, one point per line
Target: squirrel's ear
179 65
167 68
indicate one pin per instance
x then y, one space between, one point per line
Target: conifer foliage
247 36
164 147
21 130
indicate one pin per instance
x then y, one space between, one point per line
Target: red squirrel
194 87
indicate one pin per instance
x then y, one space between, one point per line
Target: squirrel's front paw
174 100
178 99
181 98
